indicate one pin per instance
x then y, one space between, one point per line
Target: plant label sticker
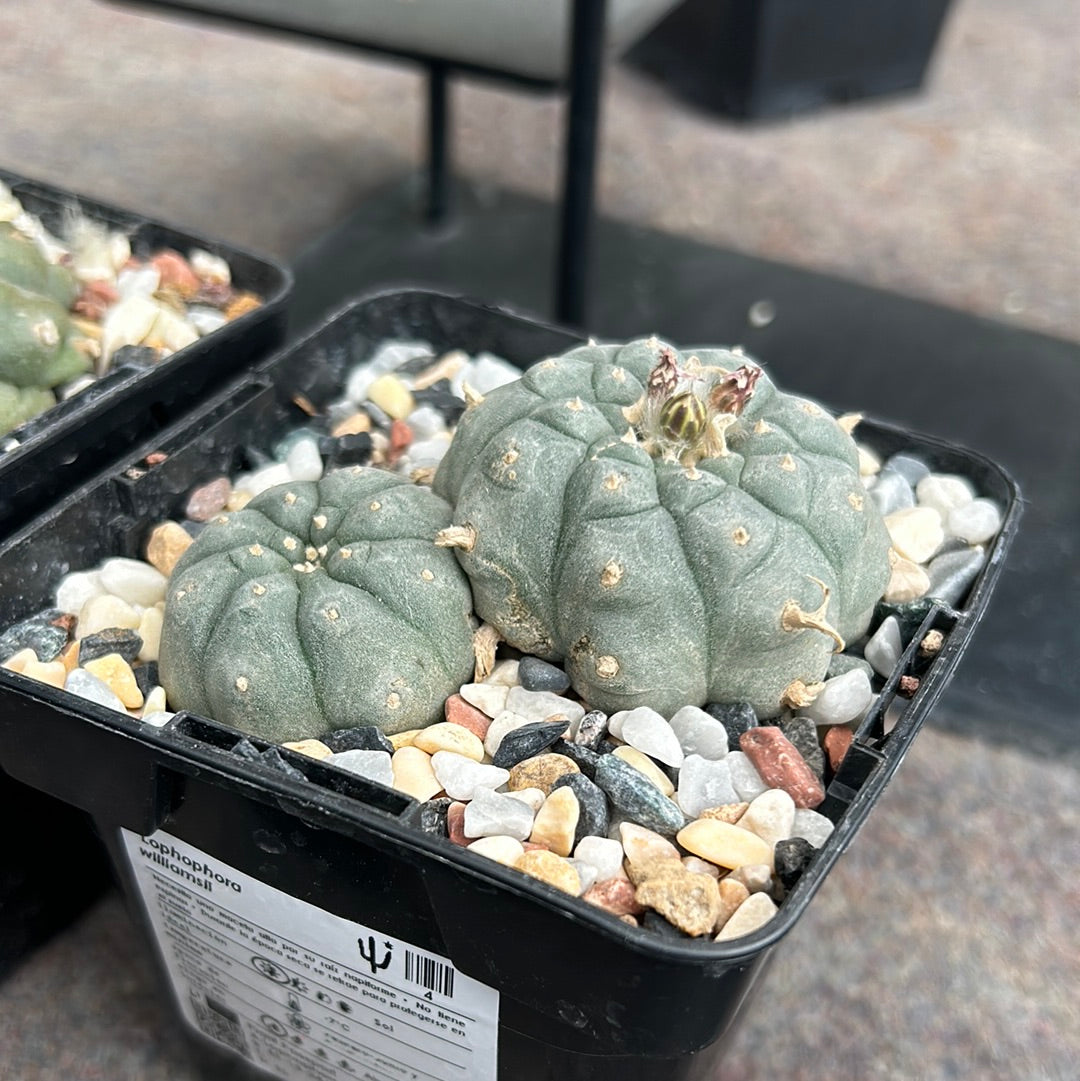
300 992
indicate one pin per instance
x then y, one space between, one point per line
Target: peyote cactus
320 605
673 526
39 345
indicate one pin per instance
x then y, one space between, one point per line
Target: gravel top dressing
75 307
690 820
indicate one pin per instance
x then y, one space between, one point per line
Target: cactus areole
672 526
320 605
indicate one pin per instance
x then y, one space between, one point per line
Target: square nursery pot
756 59
62 447
302 920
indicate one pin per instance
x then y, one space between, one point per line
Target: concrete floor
944 944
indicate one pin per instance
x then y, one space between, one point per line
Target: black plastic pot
771 58
76 438
251 871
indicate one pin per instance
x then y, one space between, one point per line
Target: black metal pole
579 168
438 143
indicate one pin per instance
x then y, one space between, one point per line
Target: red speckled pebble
836 743
616 895
781 766
458 711
455 824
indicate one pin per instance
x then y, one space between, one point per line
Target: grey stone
892 492
537 675
363 738
951 574
802 733
736 717
911 467
593 817
885 647
639 801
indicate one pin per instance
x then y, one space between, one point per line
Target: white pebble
752 914
700 733
944 492
587 874
842 699
262 479
86 685
501 849
140 281
975 522
484 373
771 816
489 698
916 532
504 674
745 778
209 267
885 648
615 722
540 705
603 853
427 452
76 589
373 765
461 777
206 320
304 461
491 813
811 826
425 422
392 354
704 783
103 613
133 581
648 732
534 797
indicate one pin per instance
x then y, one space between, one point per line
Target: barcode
434 975
219 1023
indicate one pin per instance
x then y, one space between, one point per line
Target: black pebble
35 633
416 365
343 450
433 816
736 718
593 818
802 732
585 758
272 758
790 858
439 396
910 615
537 675
592 729
526 741
654 922
366 738
146 676
244 748
114 640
